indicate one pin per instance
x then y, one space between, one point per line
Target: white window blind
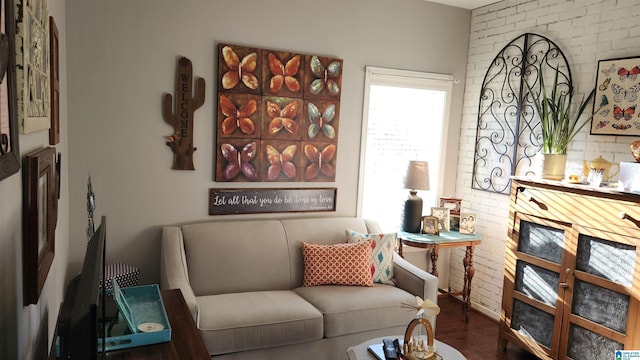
404 117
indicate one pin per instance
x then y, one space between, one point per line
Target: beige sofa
242 281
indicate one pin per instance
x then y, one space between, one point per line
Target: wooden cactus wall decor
181 116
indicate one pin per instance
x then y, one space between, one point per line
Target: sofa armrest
173 266
415 281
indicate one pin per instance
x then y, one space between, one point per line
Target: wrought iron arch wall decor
508 132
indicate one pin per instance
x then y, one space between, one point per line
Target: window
404 118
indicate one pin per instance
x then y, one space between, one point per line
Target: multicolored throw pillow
337 264
383 247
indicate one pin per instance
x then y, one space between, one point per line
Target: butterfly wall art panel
239 69
238 160
616 102
322 78
318 161
282 73
239 115
320 121
278 115
281 118
281 161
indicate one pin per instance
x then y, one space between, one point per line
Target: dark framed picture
430 225
453 204
454 223
616 98
468 223
9 147
38 220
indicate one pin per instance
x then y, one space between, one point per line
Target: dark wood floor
476 339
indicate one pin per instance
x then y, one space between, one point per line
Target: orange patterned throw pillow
337 264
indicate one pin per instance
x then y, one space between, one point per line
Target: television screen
78 322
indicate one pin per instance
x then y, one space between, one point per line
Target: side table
444 240
361 352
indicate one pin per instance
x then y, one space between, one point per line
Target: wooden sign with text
253 201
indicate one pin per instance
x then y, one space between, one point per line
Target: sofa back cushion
237 256
315 231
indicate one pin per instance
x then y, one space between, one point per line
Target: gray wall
122 58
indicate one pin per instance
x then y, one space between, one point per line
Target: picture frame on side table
442 213
430 225
38 220
468 223
453 204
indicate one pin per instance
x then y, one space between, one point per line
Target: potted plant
559 124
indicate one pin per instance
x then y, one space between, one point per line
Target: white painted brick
587 31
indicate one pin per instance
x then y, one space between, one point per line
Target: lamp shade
417 176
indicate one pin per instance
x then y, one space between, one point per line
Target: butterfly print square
280 161
321 120
238 116
282 73
322 77
318 161
237 160
281 118
239 69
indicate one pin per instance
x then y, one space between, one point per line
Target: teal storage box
142 309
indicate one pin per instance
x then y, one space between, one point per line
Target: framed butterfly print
278 115
616 102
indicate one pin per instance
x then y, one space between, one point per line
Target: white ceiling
466 4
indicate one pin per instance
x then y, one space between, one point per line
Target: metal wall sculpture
508 132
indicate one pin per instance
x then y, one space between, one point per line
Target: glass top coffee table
360 352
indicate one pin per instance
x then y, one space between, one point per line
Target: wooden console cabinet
572 279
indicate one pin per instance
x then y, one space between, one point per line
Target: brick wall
586 31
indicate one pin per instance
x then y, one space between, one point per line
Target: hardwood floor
477 339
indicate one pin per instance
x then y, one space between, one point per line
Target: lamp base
412 221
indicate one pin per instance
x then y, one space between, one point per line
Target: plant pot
553 166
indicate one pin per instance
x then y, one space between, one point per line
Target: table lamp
417 179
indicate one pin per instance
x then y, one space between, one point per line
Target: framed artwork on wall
278 115
9 149
32 50
38 220
616 98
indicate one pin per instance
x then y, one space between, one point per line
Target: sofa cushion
238 255
254 320
354 309
339 264
384 245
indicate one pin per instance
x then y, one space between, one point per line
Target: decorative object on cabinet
54 68
416 178
505 142
430 225
635 150
442 213
255 201
9 147
278 115
558 124
39 220
603 165
32 47
617 91
468 222
571 276
180 117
